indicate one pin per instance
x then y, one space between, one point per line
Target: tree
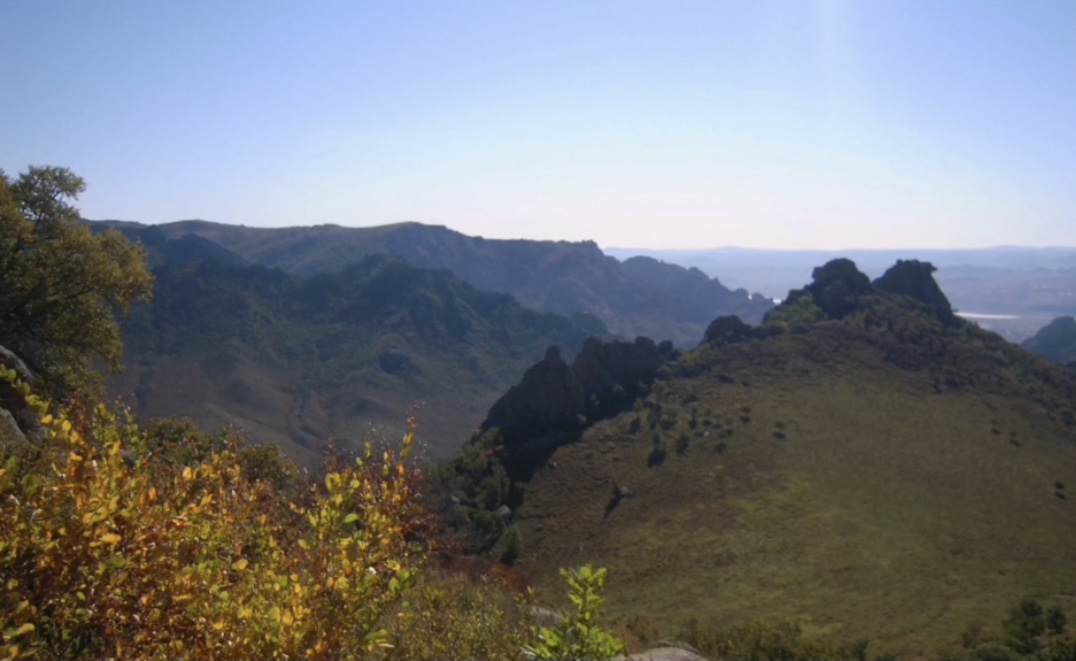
60 284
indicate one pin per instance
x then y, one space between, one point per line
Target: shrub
765 641
453 617
1056 620
117 553
578 635
1024 625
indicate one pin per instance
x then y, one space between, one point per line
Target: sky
822 124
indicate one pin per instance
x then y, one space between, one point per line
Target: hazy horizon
766 125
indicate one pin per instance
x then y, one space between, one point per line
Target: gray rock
9 428
667 653
12 401
545 617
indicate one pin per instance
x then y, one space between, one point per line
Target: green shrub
454 617
1024 625
578 635
768 641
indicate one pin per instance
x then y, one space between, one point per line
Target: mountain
865 463
641 296
300 360
1010 290
1055 341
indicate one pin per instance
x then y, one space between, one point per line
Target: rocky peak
835 287
914 279
555 401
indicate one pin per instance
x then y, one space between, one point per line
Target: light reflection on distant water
979 315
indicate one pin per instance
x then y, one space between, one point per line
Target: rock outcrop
16 418
914 279
839 289
555 400
835 287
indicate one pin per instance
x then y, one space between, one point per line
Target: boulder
665 653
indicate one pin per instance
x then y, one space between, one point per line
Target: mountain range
641 296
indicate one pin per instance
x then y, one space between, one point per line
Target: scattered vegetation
775 640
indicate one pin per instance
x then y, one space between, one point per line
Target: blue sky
816 124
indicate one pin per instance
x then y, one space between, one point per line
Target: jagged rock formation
555 401
1055 341
914 279
839 289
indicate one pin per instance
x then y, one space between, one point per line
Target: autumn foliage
108 549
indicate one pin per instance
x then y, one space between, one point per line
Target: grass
889 512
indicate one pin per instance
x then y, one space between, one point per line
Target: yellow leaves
333 482
21 631
201 562
47 419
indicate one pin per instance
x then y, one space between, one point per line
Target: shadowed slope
298 361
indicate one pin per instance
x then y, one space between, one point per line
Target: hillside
300 360
1055 341
641 296
866 463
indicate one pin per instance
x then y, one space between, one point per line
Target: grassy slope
889 511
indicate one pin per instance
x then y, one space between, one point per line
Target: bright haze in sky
815 124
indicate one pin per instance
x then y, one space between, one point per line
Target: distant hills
865 463
1055 341
639 296
1017 289
298 361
